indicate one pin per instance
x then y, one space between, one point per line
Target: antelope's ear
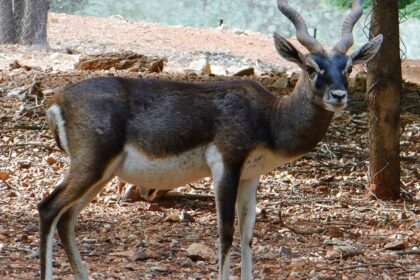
368 51
287 50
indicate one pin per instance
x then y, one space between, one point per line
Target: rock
197 251
294 274
396 245
151 195
174 217
281 83
106 61
342 252
293 77
131 194
157 66
201 66
141 255
31 228
185 217
245 72
285 251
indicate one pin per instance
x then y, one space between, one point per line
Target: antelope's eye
348 71
311 70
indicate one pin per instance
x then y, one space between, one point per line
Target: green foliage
412 6
414 9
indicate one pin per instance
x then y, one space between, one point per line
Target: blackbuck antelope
164 134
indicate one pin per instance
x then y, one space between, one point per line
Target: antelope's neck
298 124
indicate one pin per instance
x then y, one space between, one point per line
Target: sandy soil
181 45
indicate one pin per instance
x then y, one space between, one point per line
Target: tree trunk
385 84
34 23
8 34
18 12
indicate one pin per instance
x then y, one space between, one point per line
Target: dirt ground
327 229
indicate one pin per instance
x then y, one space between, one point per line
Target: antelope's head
326 73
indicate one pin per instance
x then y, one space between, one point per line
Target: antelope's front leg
245 206
226 190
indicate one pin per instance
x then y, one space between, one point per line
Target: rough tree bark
8 33
385 88
24 22
34 23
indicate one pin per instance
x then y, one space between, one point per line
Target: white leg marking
55 116
246 202
215 162
49 246
225 268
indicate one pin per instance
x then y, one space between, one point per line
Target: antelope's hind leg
60 209
246 202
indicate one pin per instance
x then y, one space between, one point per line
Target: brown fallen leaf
4 175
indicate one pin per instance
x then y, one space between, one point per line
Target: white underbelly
261 161
162 173
138 168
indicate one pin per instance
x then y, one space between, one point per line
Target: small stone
173 218
284 251
396 245
333 254
140 256
245 72
281 83
185 217
157 66
131 194
197 251
294 274
30 228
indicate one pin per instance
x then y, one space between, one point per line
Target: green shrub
412 6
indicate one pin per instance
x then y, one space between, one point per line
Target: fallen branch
409 252
40 145
389 265
189 195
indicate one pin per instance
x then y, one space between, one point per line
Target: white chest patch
162 173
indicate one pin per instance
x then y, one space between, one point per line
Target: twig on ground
297 230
